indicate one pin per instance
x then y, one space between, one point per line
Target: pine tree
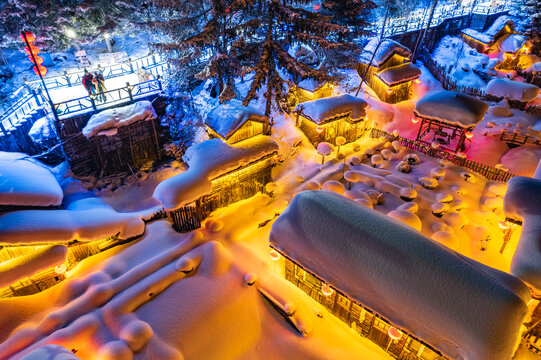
354 14
532 13
285 24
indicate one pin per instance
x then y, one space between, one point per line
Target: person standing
87 83
100 85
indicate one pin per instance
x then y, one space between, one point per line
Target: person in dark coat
87 83
99 81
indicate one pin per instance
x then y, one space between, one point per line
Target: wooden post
91 96
68 80
130 65
128 86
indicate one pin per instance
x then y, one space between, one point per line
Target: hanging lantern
394 333
389 90
316 7
469 134
60 269
33 50
514 56
275 255
39 60
39 70
319 129
504 224
417 81
326 290
29 36
526 50
415 119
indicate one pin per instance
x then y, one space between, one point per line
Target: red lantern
326 290
40 70
39 60
319 129
394 333
417 81
275 255
316 7
389 90
469 134
33 50
415 120
29 36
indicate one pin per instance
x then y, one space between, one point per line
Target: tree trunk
270 79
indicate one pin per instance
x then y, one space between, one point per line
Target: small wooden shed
323 120
448 118
234 122
308 90
219 174
387 70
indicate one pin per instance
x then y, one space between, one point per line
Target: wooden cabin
323 120
517 93
308 90
387 70
448 118
219 174
394 286
234 122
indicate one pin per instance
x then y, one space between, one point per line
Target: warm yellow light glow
504 225
417 81
275 255
394 333
60 269
326 290
106 35
389 90
319 129
415 120
469 134
71 33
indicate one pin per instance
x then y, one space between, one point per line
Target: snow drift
114 118
463 308
512 90
27 182
322 110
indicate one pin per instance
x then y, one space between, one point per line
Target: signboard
81 58
120 56
106 58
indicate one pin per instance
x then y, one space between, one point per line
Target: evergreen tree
284 24
50 20
354 14
532 14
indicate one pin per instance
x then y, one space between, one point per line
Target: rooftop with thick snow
512 90
459 306
398 74
384 51
324 110
228 117
451 107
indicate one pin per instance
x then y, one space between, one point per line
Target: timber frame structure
441 136
364 321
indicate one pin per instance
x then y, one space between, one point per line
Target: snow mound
89 222
51 352
114 118
451 107
228 117
27 182
399 74
512 90
27 265
406 217
512 43
42 129
446 238
323 110
461 307
208 160
386 49
521 202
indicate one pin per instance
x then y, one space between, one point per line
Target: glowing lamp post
507 231
326 290
394 335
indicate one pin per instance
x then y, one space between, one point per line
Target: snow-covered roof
512 90
461 307
321 111
310 84
537 67
42 129
29 264
84 220
228 117
521 202
398 74
27 182
499 24
108 121
479 36
208 160
512 43
385 50
451 107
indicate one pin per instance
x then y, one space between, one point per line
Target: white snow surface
51 352
27 265
512 90
386 49
477 35
400 73
310 84
208 160
228 117
499 24
27 182
521 202
465 309
451 107
512 43
118 117
85 220
42 129
322 110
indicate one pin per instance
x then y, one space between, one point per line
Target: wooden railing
487 171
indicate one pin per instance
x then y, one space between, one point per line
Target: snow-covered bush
403 167
324 149
412 159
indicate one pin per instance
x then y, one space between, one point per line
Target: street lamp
107 38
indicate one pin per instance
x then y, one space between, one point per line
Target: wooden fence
224 193
489 172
